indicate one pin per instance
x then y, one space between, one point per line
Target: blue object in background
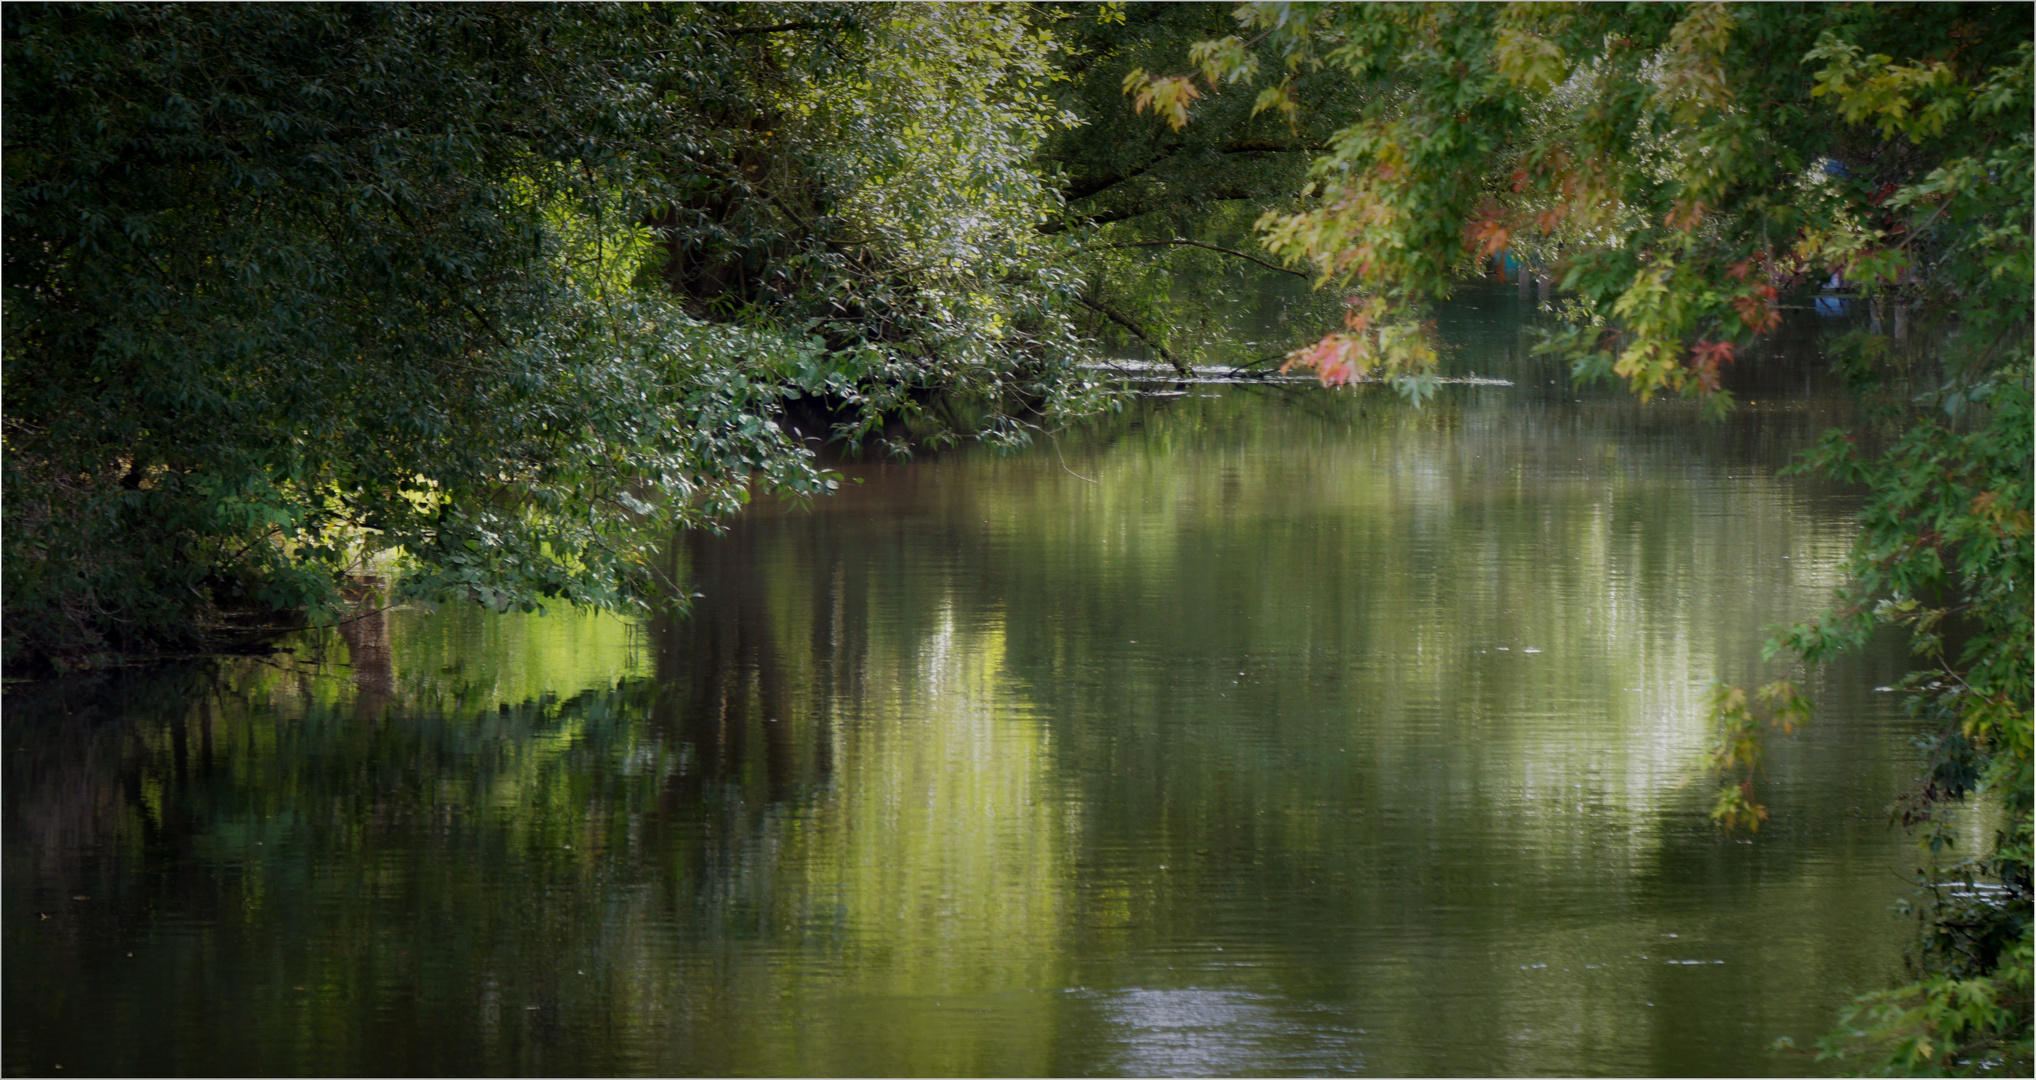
1830 305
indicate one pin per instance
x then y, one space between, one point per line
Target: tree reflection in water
1236 761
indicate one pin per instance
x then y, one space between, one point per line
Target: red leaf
1757 310
1488 236
1706 357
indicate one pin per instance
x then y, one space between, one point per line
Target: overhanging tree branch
780 28
1136 331
1052 228
1109 180
1192 243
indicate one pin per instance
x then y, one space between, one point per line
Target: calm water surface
1257 730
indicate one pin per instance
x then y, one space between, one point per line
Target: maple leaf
1313 356
1337 372
1337 359
1685 215
1169 97
1706 357
1746 267
1757 310
1487 237
1712 353
1487 233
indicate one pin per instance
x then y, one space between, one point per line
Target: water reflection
1255 731
1196 1032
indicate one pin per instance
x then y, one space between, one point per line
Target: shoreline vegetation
515 290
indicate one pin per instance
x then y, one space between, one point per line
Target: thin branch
1108 180
1056 451
359 616
458 295
1919 229
1191 243
1262 361
780 28
1137 331
1052 228
273 530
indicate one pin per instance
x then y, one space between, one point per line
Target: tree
1159 215
1677 168
507 290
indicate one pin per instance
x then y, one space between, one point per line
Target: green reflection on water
1257 730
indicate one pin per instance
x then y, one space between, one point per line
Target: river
1253 730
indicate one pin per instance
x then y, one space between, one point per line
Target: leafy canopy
509 290
1678 169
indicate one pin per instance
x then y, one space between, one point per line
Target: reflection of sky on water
1208 1032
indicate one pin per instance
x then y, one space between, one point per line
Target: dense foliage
1162 215
1679 170
510 291
496 287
